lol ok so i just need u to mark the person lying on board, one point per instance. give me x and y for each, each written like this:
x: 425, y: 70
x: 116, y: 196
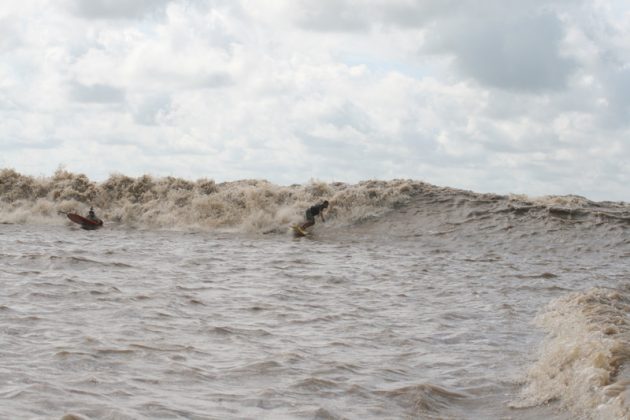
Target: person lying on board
x: 314, y: 211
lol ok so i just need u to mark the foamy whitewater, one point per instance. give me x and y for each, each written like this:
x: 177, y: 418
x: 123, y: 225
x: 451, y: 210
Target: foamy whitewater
x: 194, y: 301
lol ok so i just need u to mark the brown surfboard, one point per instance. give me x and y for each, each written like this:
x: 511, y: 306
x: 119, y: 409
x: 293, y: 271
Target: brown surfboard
x: 85, y: 222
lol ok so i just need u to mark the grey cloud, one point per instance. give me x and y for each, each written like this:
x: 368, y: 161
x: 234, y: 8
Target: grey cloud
x: 617, y: 91
x: 98, y: 93
x: 417, y: 14
x: 192, y: 80
x: 505, y: 44
x: 364, y: 15
x: 115, y: 9
x: 215, y: 80
x: 349, y: 115
x: 520, y: 53
x: 10, y: 36
x: 19, y: 143
x: 149, y: 109
x: 333, y: 16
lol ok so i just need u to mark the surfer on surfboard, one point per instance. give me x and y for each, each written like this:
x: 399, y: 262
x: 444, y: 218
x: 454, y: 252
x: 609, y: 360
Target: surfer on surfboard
x: 91, y: 215
x: 313, y: 211
x: 89, y: 222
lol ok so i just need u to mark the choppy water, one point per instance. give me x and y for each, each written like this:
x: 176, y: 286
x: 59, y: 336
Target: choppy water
x: 452, y: 305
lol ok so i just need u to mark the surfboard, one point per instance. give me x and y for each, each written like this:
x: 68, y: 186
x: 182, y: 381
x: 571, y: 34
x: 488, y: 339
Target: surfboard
x: 298, y: 231
x: 85, y: 222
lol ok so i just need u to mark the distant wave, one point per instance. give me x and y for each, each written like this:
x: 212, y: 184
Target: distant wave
x: 259, y: 206
x: 583, y: 363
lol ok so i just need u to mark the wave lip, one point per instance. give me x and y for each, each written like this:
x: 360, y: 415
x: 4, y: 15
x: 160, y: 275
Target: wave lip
x: 582, y: 362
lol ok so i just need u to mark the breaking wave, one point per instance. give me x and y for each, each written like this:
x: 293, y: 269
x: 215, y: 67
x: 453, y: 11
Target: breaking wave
x: 583, y: 362
x: 148, y: 202
x: 260, y: 206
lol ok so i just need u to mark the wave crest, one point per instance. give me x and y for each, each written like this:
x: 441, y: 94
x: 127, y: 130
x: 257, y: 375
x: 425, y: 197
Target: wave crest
x: 260, y: 206
x: 169, y: 202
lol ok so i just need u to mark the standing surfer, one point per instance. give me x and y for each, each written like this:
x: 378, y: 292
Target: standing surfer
x: 314, y: 211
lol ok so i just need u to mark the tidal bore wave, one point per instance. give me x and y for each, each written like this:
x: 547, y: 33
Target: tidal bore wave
x: 259, y: 206
x: 582, y: 364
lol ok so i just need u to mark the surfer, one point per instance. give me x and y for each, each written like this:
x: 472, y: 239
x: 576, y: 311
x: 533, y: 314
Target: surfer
x: 91, y: 215
x: 314, y: 211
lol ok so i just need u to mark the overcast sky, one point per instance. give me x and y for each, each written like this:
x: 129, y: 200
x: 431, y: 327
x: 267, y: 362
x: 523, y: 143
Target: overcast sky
x: 505, y: 96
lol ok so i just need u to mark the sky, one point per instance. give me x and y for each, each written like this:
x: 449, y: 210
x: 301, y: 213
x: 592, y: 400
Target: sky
x: 499, y: 96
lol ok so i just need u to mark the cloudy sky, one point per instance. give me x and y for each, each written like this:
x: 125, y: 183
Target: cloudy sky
x: 504, y: 96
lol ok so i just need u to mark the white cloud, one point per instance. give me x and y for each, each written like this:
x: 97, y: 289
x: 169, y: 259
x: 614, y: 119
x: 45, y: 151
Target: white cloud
x: 500, y: 96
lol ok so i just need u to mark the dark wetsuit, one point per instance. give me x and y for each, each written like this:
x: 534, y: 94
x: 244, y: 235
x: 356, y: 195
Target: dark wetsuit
x: 314, y: 211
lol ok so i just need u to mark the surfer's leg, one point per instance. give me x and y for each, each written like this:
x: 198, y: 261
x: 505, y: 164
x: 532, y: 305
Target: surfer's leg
x: 310, y: 220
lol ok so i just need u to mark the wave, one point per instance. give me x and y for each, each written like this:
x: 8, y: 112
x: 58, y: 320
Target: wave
x: 424, y: 400
x: 259, y: 206
x: 583, y: 361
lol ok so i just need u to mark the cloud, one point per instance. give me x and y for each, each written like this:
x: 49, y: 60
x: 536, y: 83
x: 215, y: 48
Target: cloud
x: 115, y: 9
x: 521, y: 53
x: 10, y: 37
x: 497, y: 96
x: 332, y: 15
x: 501, y: 44
x: 151, y: 109
x: 616, y: 98
x: 97, y: 93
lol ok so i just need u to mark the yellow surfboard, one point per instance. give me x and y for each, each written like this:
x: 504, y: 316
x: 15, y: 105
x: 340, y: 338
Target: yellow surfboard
x: 299, y: 231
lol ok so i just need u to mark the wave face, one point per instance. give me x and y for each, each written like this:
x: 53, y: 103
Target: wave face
x: 260, y: 206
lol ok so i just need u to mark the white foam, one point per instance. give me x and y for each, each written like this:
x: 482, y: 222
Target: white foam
x: 581, y: 363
